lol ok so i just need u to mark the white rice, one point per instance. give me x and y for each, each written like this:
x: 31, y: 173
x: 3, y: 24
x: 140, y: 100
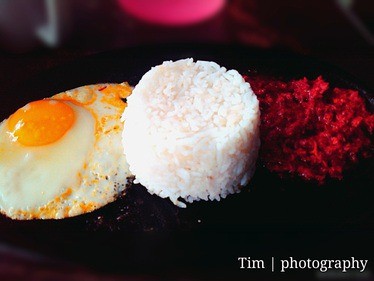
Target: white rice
x: 192, y: 131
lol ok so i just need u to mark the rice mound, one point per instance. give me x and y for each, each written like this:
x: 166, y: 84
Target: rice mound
x: 191, y: 131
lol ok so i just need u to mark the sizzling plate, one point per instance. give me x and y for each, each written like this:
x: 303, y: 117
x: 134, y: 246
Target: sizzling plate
x: 144, y: 232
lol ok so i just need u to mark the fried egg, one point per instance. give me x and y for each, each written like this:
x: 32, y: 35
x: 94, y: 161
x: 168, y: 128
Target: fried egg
x: 62, y: 156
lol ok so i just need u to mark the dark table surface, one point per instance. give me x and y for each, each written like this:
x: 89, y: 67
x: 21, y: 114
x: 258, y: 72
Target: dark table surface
x: 315, y: 28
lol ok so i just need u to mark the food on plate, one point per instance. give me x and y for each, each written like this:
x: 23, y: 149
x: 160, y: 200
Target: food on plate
x: 191, y: 131
x: 311, y: 129
x: 62, y: 156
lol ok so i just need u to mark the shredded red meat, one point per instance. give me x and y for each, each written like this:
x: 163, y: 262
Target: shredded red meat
x: 310, y: 129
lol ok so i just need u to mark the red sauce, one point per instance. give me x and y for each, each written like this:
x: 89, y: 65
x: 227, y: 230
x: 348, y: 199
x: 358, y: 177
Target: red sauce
x: 310, y: 129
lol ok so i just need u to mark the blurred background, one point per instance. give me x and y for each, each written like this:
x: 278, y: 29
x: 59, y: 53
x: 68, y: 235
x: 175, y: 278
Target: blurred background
x: 36, y: 35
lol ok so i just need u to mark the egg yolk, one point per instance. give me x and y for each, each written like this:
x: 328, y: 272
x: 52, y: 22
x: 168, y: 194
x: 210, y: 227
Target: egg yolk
x: 41, y: 122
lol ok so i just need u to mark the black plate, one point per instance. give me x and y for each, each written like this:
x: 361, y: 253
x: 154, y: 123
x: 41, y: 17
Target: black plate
x: 272, y: 217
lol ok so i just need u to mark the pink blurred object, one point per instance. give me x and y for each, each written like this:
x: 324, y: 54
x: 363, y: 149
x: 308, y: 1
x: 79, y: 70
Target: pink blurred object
x: 172, y: 12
